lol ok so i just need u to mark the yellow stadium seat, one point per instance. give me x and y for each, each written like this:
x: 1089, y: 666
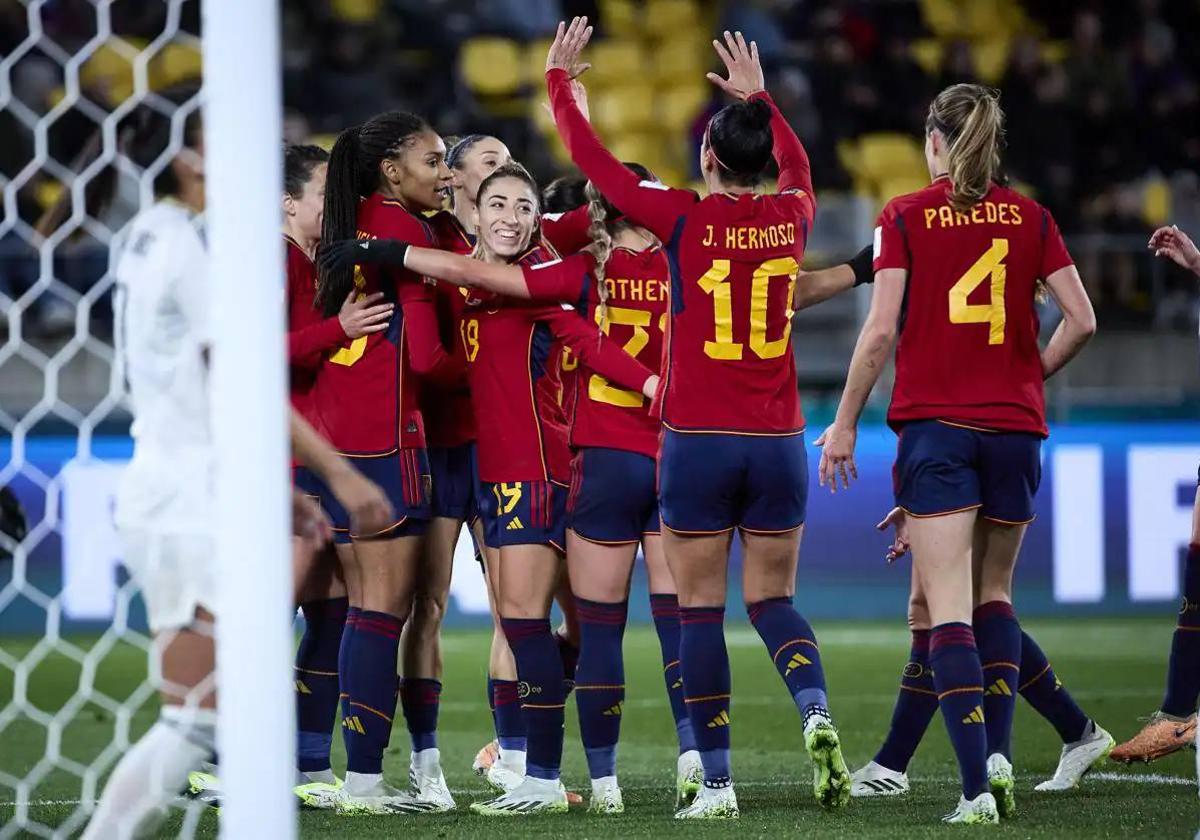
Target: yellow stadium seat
x: 891, y: 187
x: 47, y: 192
x: 683, y: 60
x: 645, y: 148
x: 623, y: 109
x: 885, y: 156
x: 944, y: 18
x: 1054, y: 52
x: 355, y: 11
x: 535, y: 63
x: 620, y: 18
x: 614, y: 62
x: 109, y: 70
x: 678, y: 106
x: 666, y: 17
x: 177, y: 62
x: 1156, y: 202
x: 927, y: 53
x: 991, y: 59
x: 491, y: 66
x: 984, y: 18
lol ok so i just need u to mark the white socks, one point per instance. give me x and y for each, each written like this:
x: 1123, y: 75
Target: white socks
x: 152, y: 773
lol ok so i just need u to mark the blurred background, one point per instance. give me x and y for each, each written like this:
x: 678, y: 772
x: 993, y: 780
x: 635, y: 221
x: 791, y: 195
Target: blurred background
x: 1102, y: 100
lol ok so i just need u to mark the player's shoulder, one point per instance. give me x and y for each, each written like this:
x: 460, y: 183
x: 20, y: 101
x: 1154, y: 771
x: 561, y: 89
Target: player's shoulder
x: 390, y: 218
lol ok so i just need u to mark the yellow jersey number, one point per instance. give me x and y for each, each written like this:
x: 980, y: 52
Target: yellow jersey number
x: 989, y: 266
x: 507, y: 496
x: 469, y: 330
x: 715, y: 282
x: 599, y: 388
x: 347, y: 356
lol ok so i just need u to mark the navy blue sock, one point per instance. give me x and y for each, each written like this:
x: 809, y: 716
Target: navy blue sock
x: 343, y: 660
x: 1042, y: 689
x: 569, y: 654
x: 420, y: 699
x: 600, y: 682
x: 793, y: 648
x: 665, y: 609
x: 958, y: 679
x: 540, y: 668
x: 509, y: 719
x: 999, y: 638
x: 317, y: 681
x: 1183, y: 668
x: 372, y: 657
x: 706, y: 687
x: 916, y: 704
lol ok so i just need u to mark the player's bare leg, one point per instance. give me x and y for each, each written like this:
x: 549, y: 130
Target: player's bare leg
x: 1170, y: 729
x: 151, y: 774
x: 421, y: 661
x: 769, y: 564
x: 599, y: 577
x: 941, y: 548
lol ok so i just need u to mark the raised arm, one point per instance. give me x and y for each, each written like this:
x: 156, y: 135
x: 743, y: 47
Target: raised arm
x: 597, y: 352
x: 567, y: 232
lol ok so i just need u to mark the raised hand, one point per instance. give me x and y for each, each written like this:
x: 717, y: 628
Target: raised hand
x: 1174, y: 244
x: 742, y: 65
x: 569, y: 42
x: 365, y: 315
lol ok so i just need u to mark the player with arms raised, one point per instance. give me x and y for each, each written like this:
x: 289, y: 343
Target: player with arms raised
x: 958, y: 265
x: 732, y: 454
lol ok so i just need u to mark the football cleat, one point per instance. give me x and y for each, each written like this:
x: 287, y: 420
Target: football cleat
x: 689, y: 776
x: 979, y: 811
x: 204, y: 786
x: 1162, y: 735
x: 380, y: 798
x: 488, y: 755
x: 874, y: 779
x: 1003, y: 784
x: 532, y: 796
x: 606, y: 797
x: 711, y: 803
x: 831, y: 778
x: 427, y: 782
x: 1078, y: 758
x: 317, y: 790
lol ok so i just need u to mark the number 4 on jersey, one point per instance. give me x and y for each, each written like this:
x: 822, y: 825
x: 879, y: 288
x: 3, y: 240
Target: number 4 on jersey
x: 991, y: 264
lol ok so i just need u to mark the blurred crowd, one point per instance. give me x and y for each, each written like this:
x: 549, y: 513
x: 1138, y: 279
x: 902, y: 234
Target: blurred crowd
x: 1102, y: 99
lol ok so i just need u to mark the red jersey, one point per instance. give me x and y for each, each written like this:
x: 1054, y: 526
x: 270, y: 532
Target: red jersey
x: 512, y: 348
x: 600, y: 413
x: 310, y: 334
x: 449, y: 417
x: 367, y: 389
x: 968, y: 349
x: 734, y: 259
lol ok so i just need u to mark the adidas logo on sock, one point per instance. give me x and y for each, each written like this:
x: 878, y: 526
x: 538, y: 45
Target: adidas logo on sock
x: 613, y: 711
x: 795, y: 662
x: 976, y: 716
x: 514, y: 524
x: 301, y: 688
x: 353, y: 724
x: 999, y: 688
x: 722, y: 719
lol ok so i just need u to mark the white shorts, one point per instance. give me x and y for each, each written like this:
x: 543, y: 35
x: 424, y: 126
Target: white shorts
x: 175, y: 572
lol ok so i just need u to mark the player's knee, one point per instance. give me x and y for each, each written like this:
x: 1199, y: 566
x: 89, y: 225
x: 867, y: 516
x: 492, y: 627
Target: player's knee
x: 918, y: 612
x: 199, y: 726
x: 428, y: 611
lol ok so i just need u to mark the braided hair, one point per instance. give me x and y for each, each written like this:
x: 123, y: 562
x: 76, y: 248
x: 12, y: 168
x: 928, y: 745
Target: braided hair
x: 354, y: 174
x: 605, y: 221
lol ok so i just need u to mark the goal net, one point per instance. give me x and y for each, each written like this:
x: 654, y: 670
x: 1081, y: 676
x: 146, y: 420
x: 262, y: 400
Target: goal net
x: 79, y: 682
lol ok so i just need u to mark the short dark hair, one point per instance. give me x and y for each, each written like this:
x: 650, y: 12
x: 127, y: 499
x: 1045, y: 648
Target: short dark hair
x: 741, y: 140
x: 299, y: 161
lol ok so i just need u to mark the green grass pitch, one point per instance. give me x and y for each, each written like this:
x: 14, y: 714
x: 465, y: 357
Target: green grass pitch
x: 1115, y: 668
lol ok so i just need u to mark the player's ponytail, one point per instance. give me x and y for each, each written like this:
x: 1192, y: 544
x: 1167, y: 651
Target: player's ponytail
x: 354, y: 174
x: 605, y: 222
x: 970, y: 119
x: 740, y: 139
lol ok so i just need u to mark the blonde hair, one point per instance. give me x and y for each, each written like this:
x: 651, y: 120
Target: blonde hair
x: 601, y: 245
x: 970, y: 119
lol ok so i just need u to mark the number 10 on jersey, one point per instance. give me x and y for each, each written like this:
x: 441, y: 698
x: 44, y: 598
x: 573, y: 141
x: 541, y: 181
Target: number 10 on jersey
x: 715, y: 282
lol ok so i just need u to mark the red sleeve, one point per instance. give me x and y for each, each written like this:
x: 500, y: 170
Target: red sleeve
x: 1054, y: 250
x: 567, y: 232
x: 594, y: 349
x: 653, y: 205
x: 568, y: 280
x: 307, y: 345
x: 891, y: 241
x: 428, y: 355
x: 795, y: 173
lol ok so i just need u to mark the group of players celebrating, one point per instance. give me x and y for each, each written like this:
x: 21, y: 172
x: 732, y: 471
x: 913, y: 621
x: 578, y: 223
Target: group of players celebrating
x: 620, y: 374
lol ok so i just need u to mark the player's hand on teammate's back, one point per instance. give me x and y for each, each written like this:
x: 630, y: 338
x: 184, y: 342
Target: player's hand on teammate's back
x: 898, y: 519
x: 335, y: 256
x: 309, y: 522
x: 365, y: 315
x: 569, y: 42
x: 368, y: 506
x: 742, y: 65
x: 837, y: 457
x: 1171, y: 242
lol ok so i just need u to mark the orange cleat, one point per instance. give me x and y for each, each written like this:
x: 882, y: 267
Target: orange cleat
x: 1162, y: 735
x: 485, y: 758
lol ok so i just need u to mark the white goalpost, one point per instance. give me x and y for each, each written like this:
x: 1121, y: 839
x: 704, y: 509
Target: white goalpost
x: 244, y: 182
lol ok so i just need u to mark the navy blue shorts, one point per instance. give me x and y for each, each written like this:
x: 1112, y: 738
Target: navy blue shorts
x: 404, y: 477
x: 307, y: 482
x: 523, y: 513
x: 710, y: 483
x: 453, y: 471
x: 943, y: 468
x: 613, y: 496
